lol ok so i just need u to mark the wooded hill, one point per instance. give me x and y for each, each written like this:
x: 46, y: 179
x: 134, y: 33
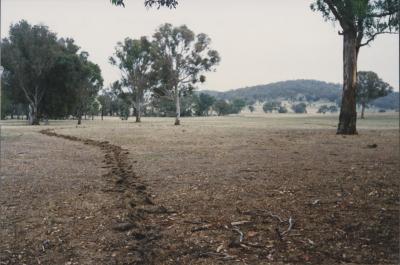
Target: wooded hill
x: 298, y: 90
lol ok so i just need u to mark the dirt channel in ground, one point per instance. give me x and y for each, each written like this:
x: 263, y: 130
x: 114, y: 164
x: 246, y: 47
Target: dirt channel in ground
x: 68, y: 203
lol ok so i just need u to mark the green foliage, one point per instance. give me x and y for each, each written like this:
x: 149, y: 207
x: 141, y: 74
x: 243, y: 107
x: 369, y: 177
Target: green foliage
x: 271, y: 106
x: 282, y: 109
x: 370, y: 87
x: 123, y: 109
x: 299, y: 108
x: 28, y: 56
x: 333, y: 109
x: 165, y: 106
x: 203, y: 103
x: 237, y: 105
x: 124, y: 103
x: 87, y: 82
x: 94, y: 107
x: 109, y: 100
x: 135, y: 59
x: 251, y: 108
x: 323, y: 109
x: 222, y: 107
x: 364, y: 18
x: 47, y: 73
x: 181, y: 58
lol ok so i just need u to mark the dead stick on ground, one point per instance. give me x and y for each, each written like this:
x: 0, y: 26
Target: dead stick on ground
x: 236, y: 229
x: 291, y: 223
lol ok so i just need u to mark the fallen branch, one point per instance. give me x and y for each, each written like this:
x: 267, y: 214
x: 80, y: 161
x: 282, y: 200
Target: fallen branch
x: 241, y: 235
x: 291, y: 223
x: 201, y: 228
x: 223, y: 256
x: 240, y: 223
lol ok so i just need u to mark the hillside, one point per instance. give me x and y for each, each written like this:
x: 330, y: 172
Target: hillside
x: 309, y: 90
x: 391, y: 101
x: 298, y: 90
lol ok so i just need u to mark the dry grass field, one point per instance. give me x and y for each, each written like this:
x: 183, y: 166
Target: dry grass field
x: 262, y: 189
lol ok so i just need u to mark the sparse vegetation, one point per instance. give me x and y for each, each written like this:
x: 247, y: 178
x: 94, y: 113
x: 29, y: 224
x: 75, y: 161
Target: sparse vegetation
x: 254, y: 175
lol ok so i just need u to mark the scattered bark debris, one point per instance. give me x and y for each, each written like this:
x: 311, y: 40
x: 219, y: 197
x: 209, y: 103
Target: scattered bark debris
x: 138, y: 207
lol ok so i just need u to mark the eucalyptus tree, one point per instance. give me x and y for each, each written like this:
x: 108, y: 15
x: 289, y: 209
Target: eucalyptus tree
x: 361, y: 22
x: 181, y: 58
x: 135, y: 60
x: 29, y: 55
x: 88, y: 82
x: 203, y: 104
x: 370, y: 87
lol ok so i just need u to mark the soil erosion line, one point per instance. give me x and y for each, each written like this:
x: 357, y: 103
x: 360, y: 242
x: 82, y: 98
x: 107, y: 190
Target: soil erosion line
x: 131, y: 197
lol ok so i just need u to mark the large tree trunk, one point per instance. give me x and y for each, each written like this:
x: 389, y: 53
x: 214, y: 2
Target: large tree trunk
x: 33, y: 115
x: 138, y: 109
x: 102, y: 113
x: 348, y: 112
x: 362, y: 110
x: 79, y: 116
x: 177, y: 107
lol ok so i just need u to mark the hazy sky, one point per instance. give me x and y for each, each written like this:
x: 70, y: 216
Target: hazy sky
x: 260, y: 41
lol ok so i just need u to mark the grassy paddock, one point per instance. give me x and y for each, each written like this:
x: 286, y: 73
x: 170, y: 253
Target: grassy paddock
x: 342, y: 191
x: 269, y: 121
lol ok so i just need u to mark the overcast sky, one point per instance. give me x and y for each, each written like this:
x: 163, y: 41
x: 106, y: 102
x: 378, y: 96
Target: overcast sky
x: 260, y: 41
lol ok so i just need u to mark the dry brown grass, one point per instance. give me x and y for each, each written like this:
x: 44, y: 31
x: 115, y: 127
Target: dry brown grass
x: 342, y: 194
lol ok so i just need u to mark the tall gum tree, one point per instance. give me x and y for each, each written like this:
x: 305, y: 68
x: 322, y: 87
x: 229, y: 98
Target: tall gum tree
x: 135, y: 60
x: 361, y: 22
x: 181, y: 59
x: 29, y: 55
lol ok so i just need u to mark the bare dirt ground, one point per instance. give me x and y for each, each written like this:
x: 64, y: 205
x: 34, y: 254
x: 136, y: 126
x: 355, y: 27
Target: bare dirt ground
x: 235, y: 190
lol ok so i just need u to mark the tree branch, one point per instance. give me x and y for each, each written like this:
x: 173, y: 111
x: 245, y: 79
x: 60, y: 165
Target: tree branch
x: 335, y: 12
x: 374, y: 36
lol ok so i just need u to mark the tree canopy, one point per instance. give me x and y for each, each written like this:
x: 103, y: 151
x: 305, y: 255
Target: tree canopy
x: 370, y: 87
x: 46, y: 75
x: 365, y: 18
x: 135, y: 59
x: 181, y: 58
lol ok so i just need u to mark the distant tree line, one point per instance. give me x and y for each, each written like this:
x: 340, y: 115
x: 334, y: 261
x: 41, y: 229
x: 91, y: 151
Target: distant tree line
x: 47, y: 77
x: 193, y: 104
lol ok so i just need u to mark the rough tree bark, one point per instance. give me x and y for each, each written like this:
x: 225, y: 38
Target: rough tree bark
x: 33, y: 115
x: 79, y: 112
x: 178, y: 107
x: 138, y: 109
x: 348, y: 111
x: 362, y: 110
